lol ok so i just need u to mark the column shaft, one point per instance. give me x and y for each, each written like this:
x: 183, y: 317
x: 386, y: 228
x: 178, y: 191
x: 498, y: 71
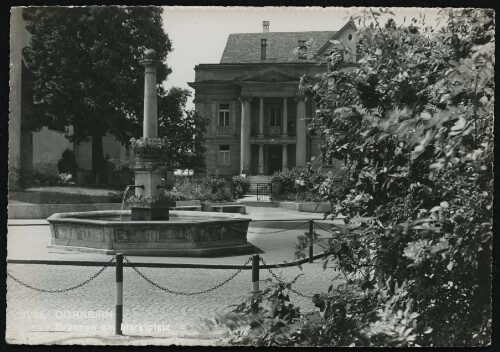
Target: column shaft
x: 300, y: 153
x: 261, y: 159
x: 285, y: 157
x: 150, y: 126
x: 285, y: 117
x: 261, y: 117
x: 245, y: 137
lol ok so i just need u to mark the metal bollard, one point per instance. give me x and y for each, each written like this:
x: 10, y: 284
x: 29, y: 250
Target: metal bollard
x: 119, y: 294
x: 255, y: 273
x: 311, y: 240
x: 255, y: 281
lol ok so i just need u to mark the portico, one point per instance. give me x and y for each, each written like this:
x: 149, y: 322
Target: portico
x: 271, y: 127
x: 272, y: 120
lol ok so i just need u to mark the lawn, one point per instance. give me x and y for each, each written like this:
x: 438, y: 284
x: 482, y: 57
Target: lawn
x: 65, y: 195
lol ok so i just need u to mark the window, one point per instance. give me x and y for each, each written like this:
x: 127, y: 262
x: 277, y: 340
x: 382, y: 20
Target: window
x: 224, y: 115
x: 275, y: 117
x: 302, y: 49
x: 224, y: 155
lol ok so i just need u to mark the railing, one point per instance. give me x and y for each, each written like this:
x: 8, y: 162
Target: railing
x: 263, y: 192
x: 275, y: 131
x: 119, y: 262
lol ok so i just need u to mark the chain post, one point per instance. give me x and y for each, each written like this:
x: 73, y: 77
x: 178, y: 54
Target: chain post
x: 119, y: 294
x: 311, y: 240
x: 255, y: 273
x: 255, y: 281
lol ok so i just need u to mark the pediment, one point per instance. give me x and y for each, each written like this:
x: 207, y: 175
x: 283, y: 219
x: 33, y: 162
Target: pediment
x: 269, y: 75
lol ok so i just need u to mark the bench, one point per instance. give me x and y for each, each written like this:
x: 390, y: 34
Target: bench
x: 192, y: 205
x: 230, y: 208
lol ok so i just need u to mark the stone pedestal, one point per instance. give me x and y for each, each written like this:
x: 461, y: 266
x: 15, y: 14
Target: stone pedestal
x: 158, y: 210
x: 151, y: 204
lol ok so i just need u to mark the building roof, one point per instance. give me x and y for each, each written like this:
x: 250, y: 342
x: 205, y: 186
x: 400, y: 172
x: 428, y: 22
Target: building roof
x: 281, y: 46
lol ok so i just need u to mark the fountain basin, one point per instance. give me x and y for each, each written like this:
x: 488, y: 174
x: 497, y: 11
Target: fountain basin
x: 187, y: 233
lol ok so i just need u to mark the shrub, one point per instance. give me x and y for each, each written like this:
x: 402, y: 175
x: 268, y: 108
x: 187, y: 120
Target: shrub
x: 65, y: 178
x: 241, y: 186
x: 212, y: 188
x: 115, y: 165
x: 67, y: 163
x: 416, y: 121
x: 299, y: 184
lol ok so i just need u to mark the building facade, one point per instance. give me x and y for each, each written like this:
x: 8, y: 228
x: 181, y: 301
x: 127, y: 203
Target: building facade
x: 257, y: 112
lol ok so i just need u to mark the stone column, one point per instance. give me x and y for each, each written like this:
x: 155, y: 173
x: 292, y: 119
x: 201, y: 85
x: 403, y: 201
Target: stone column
x: 261, y: 159
x: 285, y: 157
x: 300, y: 153
x: 285, y: 117
x: 150, y: 126
x: 245, y: 136
x: 261, y: 118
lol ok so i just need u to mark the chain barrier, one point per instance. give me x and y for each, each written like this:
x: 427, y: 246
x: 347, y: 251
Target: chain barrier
x: 64, y: 289
x: 327, y: 230
x: 186, y: 293
x: 270, y: 232
x: 282, y: 282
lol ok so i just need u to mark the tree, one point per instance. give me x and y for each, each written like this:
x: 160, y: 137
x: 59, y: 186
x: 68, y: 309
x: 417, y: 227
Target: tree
x: 185, y: 130
x: 84, y: 64
x: 414, y: 120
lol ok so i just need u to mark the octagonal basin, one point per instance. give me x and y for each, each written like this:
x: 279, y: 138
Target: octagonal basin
x: 187, y: 233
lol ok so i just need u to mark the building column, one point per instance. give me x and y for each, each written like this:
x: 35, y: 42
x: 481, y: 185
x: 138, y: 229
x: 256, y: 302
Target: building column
x: 261, y: 118
x: 300, y: 153
x: 285, y: 117
x: 245, y: 136
x: 261, y: 159
x: 285, y: 157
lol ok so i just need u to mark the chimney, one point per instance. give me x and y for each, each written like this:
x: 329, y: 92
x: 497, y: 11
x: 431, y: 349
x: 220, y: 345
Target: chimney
x: 265, y: 26
x: 263, y: 47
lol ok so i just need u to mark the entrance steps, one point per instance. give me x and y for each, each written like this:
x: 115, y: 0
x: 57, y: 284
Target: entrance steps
x: 254, y: 180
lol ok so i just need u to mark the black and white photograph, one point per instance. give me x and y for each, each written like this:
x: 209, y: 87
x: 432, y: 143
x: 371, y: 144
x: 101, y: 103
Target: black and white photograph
x: 250, y: 176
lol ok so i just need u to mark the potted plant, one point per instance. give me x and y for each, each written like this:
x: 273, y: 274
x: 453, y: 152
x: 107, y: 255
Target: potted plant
x: 146, y: 208
x: 276, y: 184
x: 149, y: 148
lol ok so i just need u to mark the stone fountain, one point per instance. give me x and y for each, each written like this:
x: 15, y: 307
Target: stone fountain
x: 150, y: 227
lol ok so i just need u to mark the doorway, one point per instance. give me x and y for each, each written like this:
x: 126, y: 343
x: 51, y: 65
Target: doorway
x: 274, y: 158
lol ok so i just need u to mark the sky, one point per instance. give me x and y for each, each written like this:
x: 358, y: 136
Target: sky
x: 199, y: 34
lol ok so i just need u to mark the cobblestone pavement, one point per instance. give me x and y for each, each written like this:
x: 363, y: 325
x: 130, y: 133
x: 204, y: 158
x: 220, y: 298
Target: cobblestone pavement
x: 35, y: 317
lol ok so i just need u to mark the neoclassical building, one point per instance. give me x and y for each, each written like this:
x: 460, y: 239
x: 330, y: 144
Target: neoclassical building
x: 256, y: 110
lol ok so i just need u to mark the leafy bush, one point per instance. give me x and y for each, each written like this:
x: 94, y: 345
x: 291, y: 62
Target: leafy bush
x: 65, y: 178
x: 415, y: 121
x: 212, y: 188
x: 150, y: 144
x: 241, y: 186
x: 67, y: 163
x: 310, y: 184
x: 115, y: 165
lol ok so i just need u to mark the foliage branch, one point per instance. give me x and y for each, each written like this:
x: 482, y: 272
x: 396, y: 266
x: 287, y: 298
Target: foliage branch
x: 414, y: 119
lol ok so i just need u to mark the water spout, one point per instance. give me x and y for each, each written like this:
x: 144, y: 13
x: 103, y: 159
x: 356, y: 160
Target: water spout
x: 125, y: 196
